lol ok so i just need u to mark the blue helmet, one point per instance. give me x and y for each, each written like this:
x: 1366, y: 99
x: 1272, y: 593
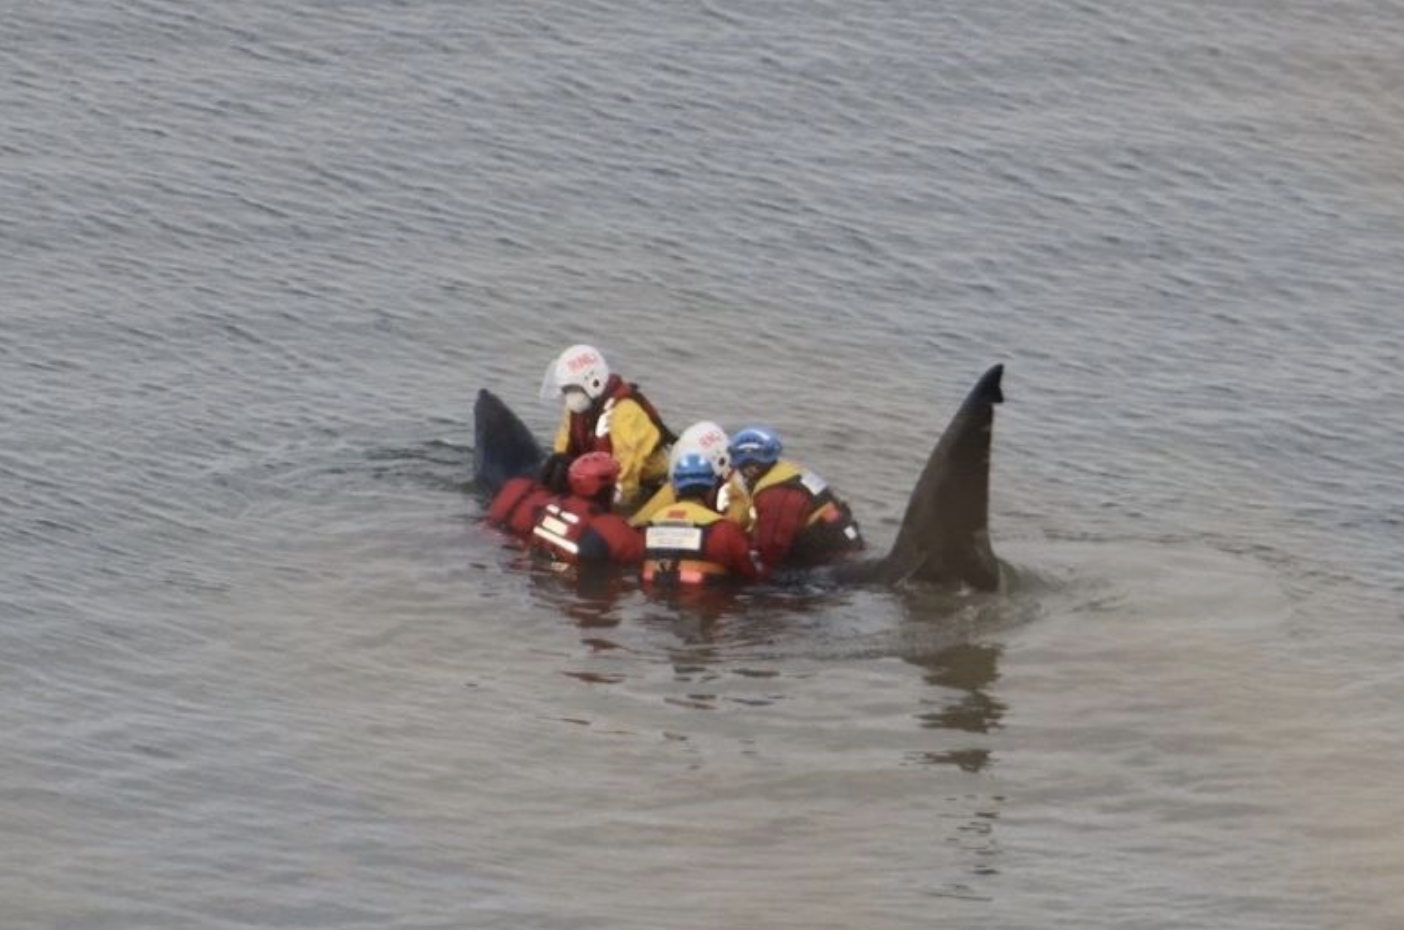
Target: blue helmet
x: 755, y: 445
x: 693, y: 470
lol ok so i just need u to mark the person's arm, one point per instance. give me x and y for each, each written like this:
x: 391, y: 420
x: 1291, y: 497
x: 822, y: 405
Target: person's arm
x: 737, y: 507
x: 737, y: 546
x: 562, y: 440
x: 780, y: 515
x: 663, y: 497
x: 610, y: 539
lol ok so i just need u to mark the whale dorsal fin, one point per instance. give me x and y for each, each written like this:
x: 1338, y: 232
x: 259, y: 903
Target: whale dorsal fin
x: 945, y: 535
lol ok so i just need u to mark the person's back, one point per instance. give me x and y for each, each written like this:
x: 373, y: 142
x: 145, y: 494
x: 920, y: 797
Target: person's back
x: 689, y: 542
x: 799, y: 520
x: 517, y: 505
x: 580, y: 529
x: 604, y: 413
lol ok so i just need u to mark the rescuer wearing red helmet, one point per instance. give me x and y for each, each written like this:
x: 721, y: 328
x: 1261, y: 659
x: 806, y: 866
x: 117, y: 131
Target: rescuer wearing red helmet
x: 581, y: 528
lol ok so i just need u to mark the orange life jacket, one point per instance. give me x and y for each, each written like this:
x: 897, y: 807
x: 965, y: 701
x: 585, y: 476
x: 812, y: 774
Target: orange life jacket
x: 678, y: 545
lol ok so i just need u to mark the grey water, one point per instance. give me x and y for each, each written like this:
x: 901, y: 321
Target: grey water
x: 261, y: 666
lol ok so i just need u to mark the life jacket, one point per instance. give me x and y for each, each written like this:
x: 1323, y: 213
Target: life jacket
x: 829, y: 526
x: 678, y: 545
x: 585, y: 430
x: 733, y: 501
x: 517, y: 505
x: 561, y: 530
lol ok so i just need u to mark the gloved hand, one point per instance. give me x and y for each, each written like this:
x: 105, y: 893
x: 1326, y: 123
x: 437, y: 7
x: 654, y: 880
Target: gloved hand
x: 555, y: 472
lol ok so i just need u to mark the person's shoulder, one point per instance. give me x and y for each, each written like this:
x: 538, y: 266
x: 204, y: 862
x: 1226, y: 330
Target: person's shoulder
x: 610, y: 537
x: 630, y: 403
x: 780, y: 490
x: 615, y: 522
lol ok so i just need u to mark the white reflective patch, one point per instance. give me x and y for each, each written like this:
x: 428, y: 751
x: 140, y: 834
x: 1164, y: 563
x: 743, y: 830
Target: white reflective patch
x: 687, y: 538
x: 559, y: 541
x: 565, y: 515
x: 851, y: 532
x: 602, y: 424
x: 723, y: 498
x: 813, y: 482
x: 550, y: 523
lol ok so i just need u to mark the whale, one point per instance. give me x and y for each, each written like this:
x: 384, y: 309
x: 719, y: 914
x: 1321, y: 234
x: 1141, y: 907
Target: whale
x: 944, y: 536
x: 503, y: 446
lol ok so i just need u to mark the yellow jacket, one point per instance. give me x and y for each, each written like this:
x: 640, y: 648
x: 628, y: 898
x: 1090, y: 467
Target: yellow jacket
x: 736, y: 506
x: 624, y: 430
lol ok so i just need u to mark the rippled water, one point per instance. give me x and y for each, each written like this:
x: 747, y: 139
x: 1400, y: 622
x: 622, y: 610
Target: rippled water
x: 260, y: 666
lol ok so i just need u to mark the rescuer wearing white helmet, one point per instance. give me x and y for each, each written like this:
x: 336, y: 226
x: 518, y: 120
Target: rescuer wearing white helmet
x: 709, y: 440
x: 604, y: 413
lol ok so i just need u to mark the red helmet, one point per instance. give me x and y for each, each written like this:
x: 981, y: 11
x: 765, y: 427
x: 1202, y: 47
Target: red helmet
x: 592, y: 473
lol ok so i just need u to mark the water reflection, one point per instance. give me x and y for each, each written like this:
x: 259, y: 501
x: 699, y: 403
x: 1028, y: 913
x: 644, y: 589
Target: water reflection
x: 592, y: 598
x: 962, y: 711
x: 970, y: 668
x: 945, y: 634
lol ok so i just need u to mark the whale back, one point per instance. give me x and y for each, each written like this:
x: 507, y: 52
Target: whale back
x: 503, y: 446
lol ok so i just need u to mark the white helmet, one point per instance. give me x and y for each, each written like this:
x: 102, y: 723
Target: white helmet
x: 579, y: 366
x: 708, y: 439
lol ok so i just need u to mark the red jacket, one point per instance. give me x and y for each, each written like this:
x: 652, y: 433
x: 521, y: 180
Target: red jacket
x: 576, y: 531
x: 689, y: 543
x: 799, y: 520
x: 517, y: 505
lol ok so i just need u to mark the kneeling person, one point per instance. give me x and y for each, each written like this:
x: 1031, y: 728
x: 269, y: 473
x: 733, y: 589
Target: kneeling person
x: 581, y: 529
x: 711, y: 441
x: 798, y: 518
x: 689, y: 542
x: 604, y: 413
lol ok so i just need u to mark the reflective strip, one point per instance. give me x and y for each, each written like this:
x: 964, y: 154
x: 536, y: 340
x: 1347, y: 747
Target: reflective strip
x: 566, y: 515
x: 724, y: 496
x: 602, y: 424
x: 551, y: 523
x: 543, y: 532
x: 813, y: 482
x: 691, y: 576
x: 688, y: 571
